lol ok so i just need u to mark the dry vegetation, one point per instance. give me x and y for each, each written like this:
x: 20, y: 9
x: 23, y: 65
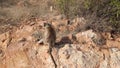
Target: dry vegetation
x: 17, y: 10
x: 101, y: 16
x: 12, y: 12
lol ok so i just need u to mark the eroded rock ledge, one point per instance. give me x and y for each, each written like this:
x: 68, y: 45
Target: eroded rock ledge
x: 19, y: 49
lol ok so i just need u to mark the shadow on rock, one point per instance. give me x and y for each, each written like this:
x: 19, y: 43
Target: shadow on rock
x: 62, y: 42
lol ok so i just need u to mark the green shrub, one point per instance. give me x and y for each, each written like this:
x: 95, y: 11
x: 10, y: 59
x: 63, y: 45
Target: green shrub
x: 115, y: 15
x: 66, y: 7
x: 101, y: 14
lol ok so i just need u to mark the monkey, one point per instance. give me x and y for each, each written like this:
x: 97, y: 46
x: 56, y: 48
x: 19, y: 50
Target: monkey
x: 49, y: 36
x: 49, y: 39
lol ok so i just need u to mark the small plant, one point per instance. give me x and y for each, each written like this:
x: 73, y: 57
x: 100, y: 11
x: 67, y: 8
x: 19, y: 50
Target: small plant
x: 115, y: 17
x: 66, y: 7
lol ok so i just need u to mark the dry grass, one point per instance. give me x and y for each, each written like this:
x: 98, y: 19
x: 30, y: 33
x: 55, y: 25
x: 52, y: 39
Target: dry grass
x: 22, y: 9
x: 12, y: 12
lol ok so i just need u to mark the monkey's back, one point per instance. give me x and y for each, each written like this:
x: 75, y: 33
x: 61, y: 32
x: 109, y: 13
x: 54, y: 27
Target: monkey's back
x: 50, y: 36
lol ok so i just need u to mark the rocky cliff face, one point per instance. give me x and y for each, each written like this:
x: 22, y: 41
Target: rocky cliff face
x: 20, y: 48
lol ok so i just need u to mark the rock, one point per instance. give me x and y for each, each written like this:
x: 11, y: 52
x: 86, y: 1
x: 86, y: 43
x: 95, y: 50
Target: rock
x: 89, y: 35
x: 2, y: 54
x: 18, y: 48
x: 5, y: 40
x: 113, y: 50
x: 118, y: 39
x: 22, y: 40
x: 79, y: 20
x: 59, y: 17
x: 104, y: 64
x: 37, y: 36
x: 115, y: 59
x: 18, y: 59
x: 85, y: 36
x: 70, y: 57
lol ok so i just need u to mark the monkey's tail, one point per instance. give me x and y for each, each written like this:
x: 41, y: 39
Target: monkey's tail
x: 53, y: 59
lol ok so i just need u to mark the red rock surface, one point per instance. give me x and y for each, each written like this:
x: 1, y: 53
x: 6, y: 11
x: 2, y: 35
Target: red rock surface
x: 19, y: 48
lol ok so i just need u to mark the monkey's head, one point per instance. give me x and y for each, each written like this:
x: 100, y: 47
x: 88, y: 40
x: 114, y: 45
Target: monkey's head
x: 47, y: 25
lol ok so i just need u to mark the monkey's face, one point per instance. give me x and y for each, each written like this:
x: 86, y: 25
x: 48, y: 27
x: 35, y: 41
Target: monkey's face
x: 47, y: 25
